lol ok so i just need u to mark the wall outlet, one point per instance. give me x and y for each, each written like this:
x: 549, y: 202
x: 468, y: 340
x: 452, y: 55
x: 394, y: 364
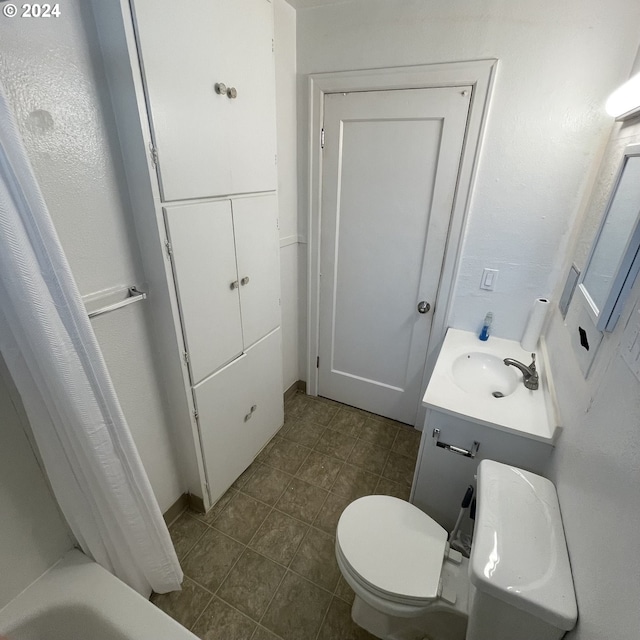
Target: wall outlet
x: 489, y: 279
x: 630, y: 345
x: 585, y: 338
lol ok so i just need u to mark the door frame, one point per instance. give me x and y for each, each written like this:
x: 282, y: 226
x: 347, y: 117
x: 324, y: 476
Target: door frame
x: 480, y: 75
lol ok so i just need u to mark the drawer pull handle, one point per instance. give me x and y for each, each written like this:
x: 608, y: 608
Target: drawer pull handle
x: 467, y: 453
x: 251, y: 412
x: 221, y: 88
x: 234, y: 285
x: 244, y: 281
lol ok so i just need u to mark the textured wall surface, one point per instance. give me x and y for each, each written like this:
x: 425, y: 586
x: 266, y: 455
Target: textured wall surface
x: 52, y: 72
x: 558, y: 62
x: 285, y: 61
x: 33, y: 534
x: 596, y: 463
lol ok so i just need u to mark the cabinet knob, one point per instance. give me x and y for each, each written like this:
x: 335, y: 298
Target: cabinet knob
x: 232, y: 93
x: 233, y: 285
x: 244, y: 281
x: 221, y: 88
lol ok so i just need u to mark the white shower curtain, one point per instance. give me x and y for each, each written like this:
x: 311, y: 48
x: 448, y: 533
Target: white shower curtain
x: 53, y: 356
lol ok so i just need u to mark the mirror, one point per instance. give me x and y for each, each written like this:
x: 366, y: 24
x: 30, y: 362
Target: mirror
x: 614, y: 260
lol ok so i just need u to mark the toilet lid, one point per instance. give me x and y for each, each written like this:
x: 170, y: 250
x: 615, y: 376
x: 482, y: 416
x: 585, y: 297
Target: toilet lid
x: 393, y: 546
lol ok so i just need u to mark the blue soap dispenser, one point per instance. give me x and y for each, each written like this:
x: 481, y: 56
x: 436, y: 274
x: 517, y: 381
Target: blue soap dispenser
x: 486, y: 327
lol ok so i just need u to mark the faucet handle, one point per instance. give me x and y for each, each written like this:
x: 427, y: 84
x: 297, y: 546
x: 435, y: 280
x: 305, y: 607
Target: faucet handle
x: 532, y: 366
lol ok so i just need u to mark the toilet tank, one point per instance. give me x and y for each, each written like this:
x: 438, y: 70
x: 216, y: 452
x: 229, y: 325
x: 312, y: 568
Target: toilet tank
x: 521, y: 583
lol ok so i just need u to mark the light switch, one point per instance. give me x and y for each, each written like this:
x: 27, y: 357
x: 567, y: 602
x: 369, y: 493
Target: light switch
x: 489, y: 278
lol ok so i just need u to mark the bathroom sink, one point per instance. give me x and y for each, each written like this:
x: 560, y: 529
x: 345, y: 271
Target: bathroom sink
x: 471, y: 382
x: 484, y: 374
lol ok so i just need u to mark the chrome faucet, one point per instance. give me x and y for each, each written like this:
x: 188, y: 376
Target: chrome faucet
x: 529, y: 374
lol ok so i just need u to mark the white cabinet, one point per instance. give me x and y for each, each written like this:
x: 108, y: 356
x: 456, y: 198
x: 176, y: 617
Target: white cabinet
x: 206, y: 215
x: 255, y: 222
x: 225, y: 258
x: 443, y: 476
x: 209, y: 142
x: 239, y: 410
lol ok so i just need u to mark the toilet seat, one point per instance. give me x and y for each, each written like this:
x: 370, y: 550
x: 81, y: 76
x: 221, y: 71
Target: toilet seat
x: 392, y: 548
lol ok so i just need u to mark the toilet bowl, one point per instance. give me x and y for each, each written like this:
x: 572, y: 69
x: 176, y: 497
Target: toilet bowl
x: 410, y: 585
x: 414, y: 580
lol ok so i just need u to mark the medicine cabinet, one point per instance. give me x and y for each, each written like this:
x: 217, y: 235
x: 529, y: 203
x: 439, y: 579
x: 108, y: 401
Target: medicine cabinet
x: 614, y: 260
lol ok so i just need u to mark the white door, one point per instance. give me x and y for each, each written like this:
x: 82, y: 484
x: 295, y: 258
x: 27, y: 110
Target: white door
x: 390, y: 168
x: 204, y: 269
x: 255, y: 223
x: 208, y: 143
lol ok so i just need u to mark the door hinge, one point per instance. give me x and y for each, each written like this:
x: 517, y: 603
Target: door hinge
x: 318, y: 362
x: 322, y: 138
x: 276, y: 160
x: 185, y: 355
x: 196, y: 415
x: 154, y: 155
x: 273, y: 45
x: 167, y: 246
x: 278, y: 223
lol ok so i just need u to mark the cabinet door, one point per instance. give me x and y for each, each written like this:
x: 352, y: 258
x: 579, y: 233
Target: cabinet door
x: 222, y: 401
x: 265, y: 390
x: 239, y: 410
x: 204, y: 267
x: 258, y: 255
x: 251, y: 147
x: 207, y: 143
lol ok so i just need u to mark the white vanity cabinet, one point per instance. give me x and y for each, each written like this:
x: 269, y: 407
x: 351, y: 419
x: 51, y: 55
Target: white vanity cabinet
x: 210, y: 90
x: 442, y: 475
x: 225, y: 258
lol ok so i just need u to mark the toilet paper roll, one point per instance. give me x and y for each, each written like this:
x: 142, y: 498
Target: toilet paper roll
x: 535, y: 323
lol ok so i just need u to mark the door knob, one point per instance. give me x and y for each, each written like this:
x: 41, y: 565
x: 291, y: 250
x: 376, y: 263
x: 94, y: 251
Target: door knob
x: 232, y: 93
x: 221, y: 88
x: 423, y: 306
x: 233, y: 285
x: 244, y: 281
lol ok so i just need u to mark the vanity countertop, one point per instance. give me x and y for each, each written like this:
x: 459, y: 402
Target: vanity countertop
x: 531, y: 414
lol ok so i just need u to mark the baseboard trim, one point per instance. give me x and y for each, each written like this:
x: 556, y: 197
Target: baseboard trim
x: 185, y: 501
x: 298, y: 385
x: 176, y: 509
x: 196, y: 503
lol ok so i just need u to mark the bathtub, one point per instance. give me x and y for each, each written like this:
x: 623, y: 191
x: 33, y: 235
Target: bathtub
x: 78, y: 600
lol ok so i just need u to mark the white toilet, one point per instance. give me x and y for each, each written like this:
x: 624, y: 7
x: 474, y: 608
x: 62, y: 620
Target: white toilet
x: 516, y: 585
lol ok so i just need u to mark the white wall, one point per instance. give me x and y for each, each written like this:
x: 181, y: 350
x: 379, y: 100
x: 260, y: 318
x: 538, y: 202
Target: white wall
x: 285, y: 63
x: 558, y: 62
x: 596, y: 464
x: 33, y: 534
x: 52, y: 72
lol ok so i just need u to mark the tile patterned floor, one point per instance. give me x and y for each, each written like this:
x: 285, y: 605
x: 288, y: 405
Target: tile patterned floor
x: 261, y: 564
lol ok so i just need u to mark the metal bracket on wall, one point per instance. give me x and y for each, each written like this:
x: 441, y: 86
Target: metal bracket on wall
x: 467, y: 453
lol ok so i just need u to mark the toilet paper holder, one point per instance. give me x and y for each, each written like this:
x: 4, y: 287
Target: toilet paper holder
x: 467, y: 453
